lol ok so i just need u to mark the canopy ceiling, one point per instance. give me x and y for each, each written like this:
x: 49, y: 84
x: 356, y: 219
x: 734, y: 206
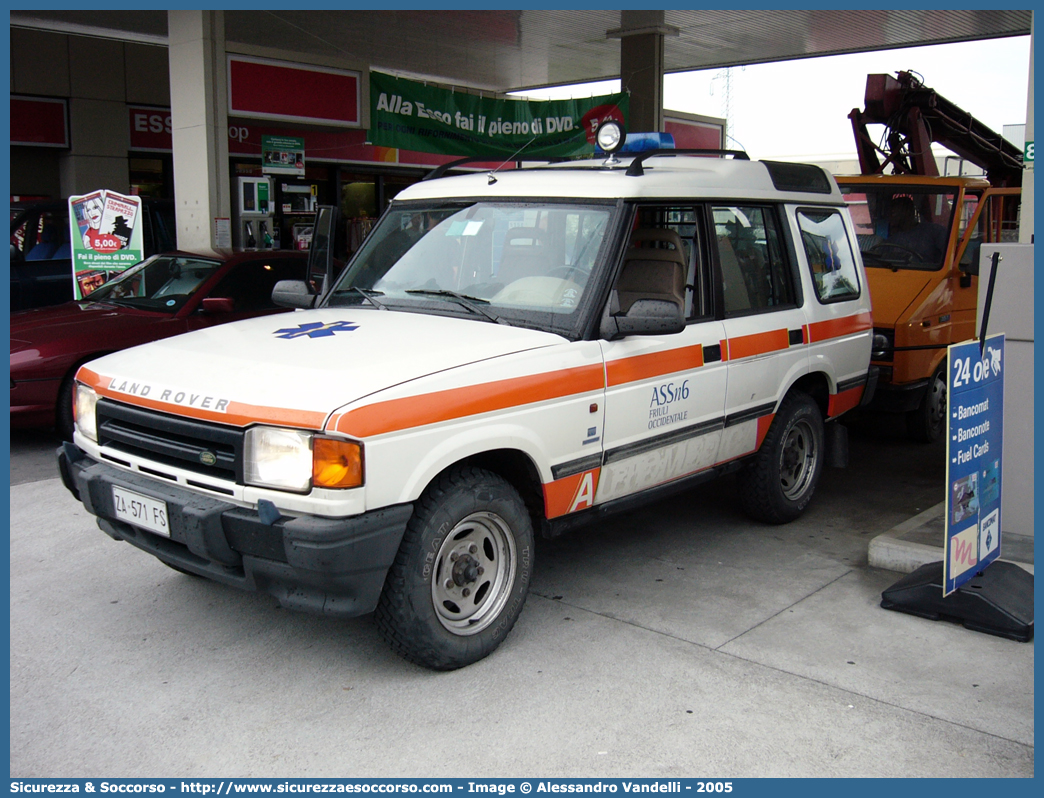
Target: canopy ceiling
x: 507, y: 50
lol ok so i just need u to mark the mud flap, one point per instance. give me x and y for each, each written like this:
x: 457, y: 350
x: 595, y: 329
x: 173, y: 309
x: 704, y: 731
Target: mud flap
x: 836, y: 445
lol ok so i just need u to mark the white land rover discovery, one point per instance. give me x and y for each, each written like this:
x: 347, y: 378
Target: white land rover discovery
x: 507, y: 354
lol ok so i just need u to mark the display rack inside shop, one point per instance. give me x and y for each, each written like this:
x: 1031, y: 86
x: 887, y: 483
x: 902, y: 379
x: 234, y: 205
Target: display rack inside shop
x: 358, y: 229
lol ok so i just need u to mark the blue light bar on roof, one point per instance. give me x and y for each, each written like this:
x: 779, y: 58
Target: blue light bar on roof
x: 644, y: 142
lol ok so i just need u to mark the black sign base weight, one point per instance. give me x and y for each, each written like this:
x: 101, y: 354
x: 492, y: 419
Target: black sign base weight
x: 998, y: 601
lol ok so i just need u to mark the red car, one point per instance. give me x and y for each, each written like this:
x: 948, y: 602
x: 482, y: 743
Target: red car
x: 162, y: 296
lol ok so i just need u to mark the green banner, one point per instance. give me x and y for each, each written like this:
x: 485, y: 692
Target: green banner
x: 412, y: 116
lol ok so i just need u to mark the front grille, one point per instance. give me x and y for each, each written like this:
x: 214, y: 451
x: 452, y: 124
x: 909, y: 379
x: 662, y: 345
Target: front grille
x: 171, y: 440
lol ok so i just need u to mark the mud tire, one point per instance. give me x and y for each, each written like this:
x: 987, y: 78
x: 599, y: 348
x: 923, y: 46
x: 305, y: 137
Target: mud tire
x: 469, y: 531
x: 777, y: 484
x: 927, y: 424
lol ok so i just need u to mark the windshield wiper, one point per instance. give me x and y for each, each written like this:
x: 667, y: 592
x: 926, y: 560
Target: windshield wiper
x: 465, y: 300
x: 367, y: 294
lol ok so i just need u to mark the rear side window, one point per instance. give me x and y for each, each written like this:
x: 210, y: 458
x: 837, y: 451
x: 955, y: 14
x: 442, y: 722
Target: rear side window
x: 829, y: 255
x: 43, y: 236
x: 754, y: 270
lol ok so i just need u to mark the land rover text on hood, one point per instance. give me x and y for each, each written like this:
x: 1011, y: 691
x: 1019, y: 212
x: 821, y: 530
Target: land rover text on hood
x: 507, y: 355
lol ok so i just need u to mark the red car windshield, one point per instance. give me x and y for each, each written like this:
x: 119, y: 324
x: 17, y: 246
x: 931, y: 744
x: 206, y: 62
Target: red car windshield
x: 162, y: 282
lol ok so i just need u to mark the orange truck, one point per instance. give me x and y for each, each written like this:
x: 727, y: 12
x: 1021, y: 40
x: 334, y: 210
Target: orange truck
x: 919, y: 234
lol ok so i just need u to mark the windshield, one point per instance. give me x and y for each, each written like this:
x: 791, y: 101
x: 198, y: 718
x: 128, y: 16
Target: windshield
x: 162, y: 282
x: 525, y: 263
x: 901, y: 227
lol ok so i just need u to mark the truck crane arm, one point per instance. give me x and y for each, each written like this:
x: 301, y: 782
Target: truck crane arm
x: 916, y: 117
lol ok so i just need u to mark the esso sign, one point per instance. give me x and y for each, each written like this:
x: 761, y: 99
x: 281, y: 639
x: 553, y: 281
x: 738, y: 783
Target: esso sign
x: 145, y: 122
x: 150, y: 129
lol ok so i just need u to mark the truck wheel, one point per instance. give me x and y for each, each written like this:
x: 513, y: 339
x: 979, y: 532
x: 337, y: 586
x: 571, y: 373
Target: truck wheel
x: 462, y: 572
x: 927, y: 423
x: 777, y: 485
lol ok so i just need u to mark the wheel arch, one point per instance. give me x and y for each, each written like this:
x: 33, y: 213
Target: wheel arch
x: 82, y: 360
x: 519, y: 470
x: 939, y: 361
x: 517, y: 458
x: 817, y: 385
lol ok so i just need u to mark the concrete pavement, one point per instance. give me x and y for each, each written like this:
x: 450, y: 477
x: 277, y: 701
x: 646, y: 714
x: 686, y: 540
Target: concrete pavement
x: 678, y: 640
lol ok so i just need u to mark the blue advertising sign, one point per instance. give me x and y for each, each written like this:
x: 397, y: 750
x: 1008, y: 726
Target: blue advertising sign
x: 974, y: 440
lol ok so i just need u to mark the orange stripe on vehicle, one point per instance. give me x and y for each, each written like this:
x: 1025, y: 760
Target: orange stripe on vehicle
x: 835, y: 328
x: 763, y: 427
x: 431, y: 408
x: 641, y: 367
x: 842, y: 402
x: 724, y: 344
x: 572, y: 493
x: 758, y: 344
x: 93, y: 379
x: 237, y: 414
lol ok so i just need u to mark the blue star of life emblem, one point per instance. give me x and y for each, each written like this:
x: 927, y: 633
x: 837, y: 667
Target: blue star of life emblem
x: 316, y: 329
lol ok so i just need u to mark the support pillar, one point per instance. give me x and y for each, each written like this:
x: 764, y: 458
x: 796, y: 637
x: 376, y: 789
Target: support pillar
x: 641, y: 35
x: 1026, y: 212
x: 98, y: 130
x: 199, y: 122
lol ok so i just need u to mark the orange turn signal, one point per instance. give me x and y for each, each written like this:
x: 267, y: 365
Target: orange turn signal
x: 336, y: 463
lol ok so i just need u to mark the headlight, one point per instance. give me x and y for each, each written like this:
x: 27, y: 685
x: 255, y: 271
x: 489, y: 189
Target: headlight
x: 883, y: 345
x: 278, y: 458
x: 84, y: 403
x: 288, y: 459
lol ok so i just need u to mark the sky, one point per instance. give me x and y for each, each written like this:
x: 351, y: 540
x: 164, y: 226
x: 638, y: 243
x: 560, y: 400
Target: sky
x: 799, y: 109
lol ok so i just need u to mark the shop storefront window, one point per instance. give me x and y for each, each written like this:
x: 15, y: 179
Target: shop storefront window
x: 151, y: 177
x: 358, y: 207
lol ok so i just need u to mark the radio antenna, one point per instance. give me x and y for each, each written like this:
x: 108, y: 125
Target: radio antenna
x: 491, y: 177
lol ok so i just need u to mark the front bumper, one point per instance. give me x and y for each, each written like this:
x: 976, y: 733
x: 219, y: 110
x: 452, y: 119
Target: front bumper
x: 325, y: 566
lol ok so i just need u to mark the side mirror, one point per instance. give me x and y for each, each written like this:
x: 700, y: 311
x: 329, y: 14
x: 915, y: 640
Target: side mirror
x: 218, y: 304
x: 293, y: 294
x: 969, y: 264
x: 320, y: 252
x: 644, y: 317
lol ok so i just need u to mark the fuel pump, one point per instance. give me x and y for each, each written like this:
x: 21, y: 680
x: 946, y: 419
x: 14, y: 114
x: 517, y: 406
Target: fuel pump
x: 255, y: 210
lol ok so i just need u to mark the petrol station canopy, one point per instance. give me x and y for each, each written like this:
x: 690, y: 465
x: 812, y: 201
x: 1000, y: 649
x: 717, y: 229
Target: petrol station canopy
x: 503, y: 50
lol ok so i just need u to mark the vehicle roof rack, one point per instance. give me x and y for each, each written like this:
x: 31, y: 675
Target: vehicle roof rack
x: 636, y: 170
x: 440, y: 171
